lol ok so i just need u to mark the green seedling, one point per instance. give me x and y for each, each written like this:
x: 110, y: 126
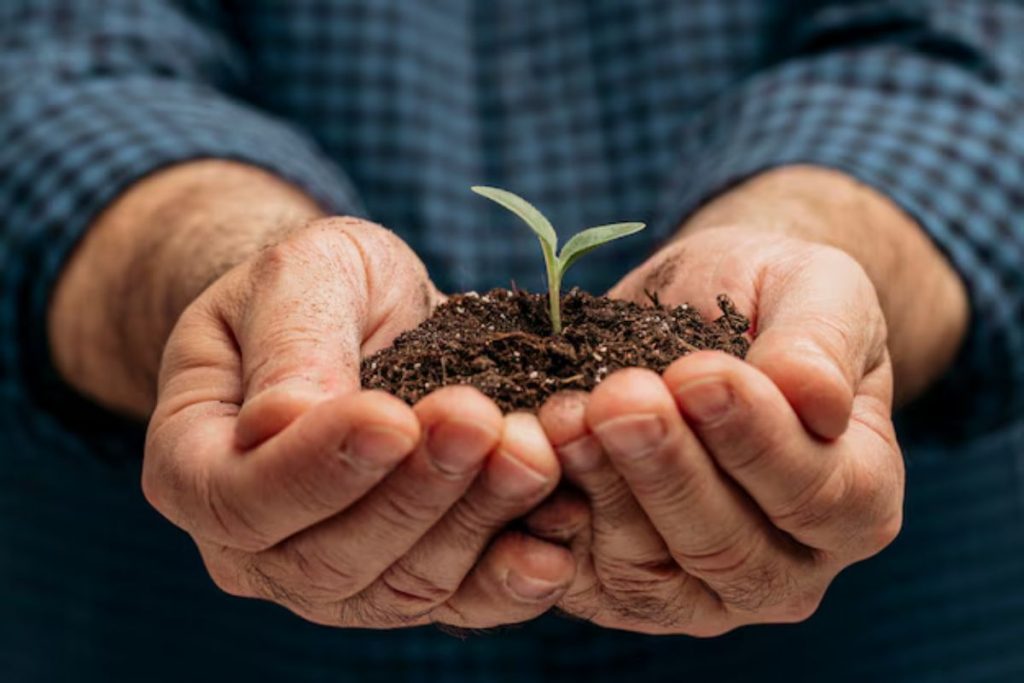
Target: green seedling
x: 578, y: 245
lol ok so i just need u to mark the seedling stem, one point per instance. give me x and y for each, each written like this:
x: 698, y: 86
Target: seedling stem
x: 556, y: 265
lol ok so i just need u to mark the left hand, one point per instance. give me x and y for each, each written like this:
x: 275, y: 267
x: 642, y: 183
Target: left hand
x: 725, y: 492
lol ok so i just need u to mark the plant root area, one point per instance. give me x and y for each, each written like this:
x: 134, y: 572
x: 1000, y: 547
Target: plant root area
x: 501, y: 343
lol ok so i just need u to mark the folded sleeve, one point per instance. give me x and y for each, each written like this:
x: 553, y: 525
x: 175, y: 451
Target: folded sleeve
x: 923, y: 101
x: 94, y: 96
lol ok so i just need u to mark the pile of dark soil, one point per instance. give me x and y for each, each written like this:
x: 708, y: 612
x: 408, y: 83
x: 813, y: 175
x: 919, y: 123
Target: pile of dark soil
x: 501, y: 343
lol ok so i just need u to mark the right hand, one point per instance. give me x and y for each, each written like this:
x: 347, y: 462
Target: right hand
x: 348, y: 507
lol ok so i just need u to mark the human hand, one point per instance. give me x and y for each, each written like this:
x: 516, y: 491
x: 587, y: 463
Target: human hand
x: 725, y: 492
x: 347, y: 507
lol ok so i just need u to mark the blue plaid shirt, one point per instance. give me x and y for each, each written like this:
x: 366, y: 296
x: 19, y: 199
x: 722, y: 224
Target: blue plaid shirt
x: 641, y: 109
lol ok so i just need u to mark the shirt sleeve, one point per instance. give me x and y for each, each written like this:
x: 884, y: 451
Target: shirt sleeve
x: 94, y: 96
x: 923, y: 101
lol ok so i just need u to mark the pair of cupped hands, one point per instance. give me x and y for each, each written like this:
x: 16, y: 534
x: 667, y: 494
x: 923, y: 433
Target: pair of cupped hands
x: 719, y: 493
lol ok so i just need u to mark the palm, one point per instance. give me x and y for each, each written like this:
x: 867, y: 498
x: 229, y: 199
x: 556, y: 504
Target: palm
x: 761, y: 479
x: 346, y: 506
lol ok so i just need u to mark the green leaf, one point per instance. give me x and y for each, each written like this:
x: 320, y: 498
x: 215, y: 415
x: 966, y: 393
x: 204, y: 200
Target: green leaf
x: 591, y: 238
x: 525, y: 210
x: 576, y: 247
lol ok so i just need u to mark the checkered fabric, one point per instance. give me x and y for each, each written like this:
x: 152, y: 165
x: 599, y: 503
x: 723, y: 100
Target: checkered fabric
x: 597, y: 110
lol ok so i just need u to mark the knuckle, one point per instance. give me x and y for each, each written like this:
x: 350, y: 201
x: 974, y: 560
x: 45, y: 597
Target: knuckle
x: 728, y: 557
x: 264, y: 583
x: 291, y: 341
x: 886, y: 502
x: 228, y: 523
x: 627, y: 579
x: 651, y: 598
x: 681, y: 605
x: 410, y: 592
x: 225, y: 576
x: 640, y: 608
x: 365, y: 610
x: 156, y: 480
x: 681, y: 489
x: 884, y: 532
x: 406, y: 513
x: 758, y: 452
x: 473, y: 521
x: 166, y: 483
x: 820, y: 504
x: 799, y: 605
x: 272, y: 263
x: 313, y: 490
x: 229, y: 585
x: 758, y: 589
x: 739, y: 572
x: 607, y: 494
x: 322, y: 243
x: 306, y: 495
x: 835, y: 337
x: 377, y: 249
x: 585, y: 603
x: 317, y: 573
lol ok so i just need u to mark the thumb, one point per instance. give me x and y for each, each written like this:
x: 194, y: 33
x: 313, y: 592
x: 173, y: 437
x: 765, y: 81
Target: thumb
x: 298, y: 330
x: 820, y: 331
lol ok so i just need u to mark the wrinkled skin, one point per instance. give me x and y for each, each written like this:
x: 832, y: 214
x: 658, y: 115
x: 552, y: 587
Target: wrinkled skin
x: 352, y: 509
x: 346, y: 506
x: 724, y: 492
x: 678, y: 511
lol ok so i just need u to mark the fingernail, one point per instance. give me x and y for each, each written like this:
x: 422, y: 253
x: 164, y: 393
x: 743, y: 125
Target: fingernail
x: 632, y: 436
x: 376, y: 447
x: 581, y: 455
x: 459, y: 447
x: 530, y: 588
x: 510, y: 477
x: 706, y: 400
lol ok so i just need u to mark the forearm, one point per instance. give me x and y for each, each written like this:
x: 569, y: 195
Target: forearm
x: 146, y: 258
x: 922, y: 297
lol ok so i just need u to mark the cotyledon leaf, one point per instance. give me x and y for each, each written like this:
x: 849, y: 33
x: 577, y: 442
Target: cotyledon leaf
x: 556, y: 265
x: 525, y: 210
x: 591, y: 238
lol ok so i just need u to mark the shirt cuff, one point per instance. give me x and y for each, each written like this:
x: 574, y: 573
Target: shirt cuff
x: 943, y: 144
x: 70, y: 150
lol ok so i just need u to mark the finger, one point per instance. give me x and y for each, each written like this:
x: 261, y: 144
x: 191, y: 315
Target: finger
x: 399, y: 290
x: 622, y: 533
x: 344, y: 554
x: 318, y: 466
x: 298, y: 323
x: 518, y: 579
x: 628, y: 578
x: 560, y: 519
x: 517, y: 476
x: 822, y: 494
x: 240, y: 574
x: 712, y: 530
x: 653, y: 597
x: 565, y: 520
x: 820, y: 330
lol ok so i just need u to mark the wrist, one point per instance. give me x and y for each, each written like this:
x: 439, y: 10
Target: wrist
x: 923, y: 299
x: 146, y: 258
